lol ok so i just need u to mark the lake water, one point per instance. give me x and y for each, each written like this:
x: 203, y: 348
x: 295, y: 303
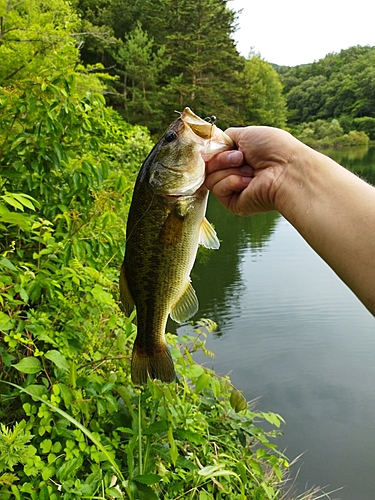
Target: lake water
x: 291, y: 333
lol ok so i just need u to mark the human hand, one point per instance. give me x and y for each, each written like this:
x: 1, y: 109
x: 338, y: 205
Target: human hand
x: 247, y: 181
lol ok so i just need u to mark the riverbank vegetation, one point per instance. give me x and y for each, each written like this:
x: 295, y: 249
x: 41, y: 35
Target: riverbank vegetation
x: 338, y: 90
x: 72, y: 424
x: 81, y: 88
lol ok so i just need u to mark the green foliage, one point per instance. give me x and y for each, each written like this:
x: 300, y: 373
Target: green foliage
x: 328, y: 133
x: 93, y: 432
x: 339, y: 86
x: 72, y: 424
x: 168, y: 55
x: 365, y: 124
x: 263, y: 100
x: 142, y: 69
x: 32, y: 32
x: 14, y: 447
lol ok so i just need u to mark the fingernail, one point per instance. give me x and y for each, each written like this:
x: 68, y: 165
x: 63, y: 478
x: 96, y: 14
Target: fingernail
x: 235, y: 158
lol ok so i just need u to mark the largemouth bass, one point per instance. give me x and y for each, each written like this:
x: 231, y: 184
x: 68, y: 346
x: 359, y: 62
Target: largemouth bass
x: 166, y: 224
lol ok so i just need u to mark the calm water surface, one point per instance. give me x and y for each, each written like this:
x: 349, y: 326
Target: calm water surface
x: 291, y: 333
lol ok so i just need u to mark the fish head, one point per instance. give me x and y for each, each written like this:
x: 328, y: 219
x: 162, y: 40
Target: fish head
x: 178, y: 166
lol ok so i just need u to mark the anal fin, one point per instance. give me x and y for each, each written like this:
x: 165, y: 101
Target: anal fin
x: 208, y: 236
x: 186, y: 306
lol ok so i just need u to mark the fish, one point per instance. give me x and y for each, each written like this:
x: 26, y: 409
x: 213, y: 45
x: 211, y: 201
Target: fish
x: 166, y: 223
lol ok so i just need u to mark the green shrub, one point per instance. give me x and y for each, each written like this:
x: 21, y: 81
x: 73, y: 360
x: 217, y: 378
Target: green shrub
x: 89, y: 432
x: 325, y: 133
x: 73, y: 424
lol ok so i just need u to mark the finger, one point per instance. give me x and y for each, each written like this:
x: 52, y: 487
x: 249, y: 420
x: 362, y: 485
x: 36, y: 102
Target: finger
x: 225, y: 186
x: 224, y: 160
x: 243, y: 174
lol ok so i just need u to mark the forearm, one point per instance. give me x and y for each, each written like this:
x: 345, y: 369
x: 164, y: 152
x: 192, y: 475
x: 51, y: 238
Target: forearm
x: 334, y: 211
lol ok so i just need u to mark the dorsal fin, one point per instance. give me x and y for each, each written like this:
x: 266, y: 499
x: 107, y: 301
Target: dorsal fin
x: 208, y: 236
x: 186, y: 306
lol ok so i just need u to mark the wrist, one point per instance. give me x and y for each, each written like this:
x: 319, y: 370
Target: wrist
x: 299, y: 181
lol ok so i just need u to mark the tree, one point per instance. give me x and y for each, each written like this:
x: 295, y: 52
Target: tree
x: 338, y: 86
x: 31, y: 34
x: 306, y: 101
x: 142, y: 69
x: 262, y: 97
x: 185, y: 49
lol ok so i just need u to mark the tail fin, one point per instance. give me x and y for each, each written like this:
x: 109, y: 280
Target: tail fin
x: 159, y: 365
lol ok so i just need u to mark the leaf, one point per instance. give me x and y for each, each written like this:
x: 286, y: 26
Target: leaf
x: 25, y: 199
x: 191, y: 436
x: 58, y: 359
x: 7, y: 264
x: 68, y: 467
x: 37, y: 390
x: 11, y: 201
x: 202, y: 382
x: 145, y: 492
x: 273, y: 418
x: 194, y: 371
x: 148, y: 478
x: 237, y: 401
x: 79, y: 426
x: 173, y: 447
x: 23, y: 221
x: 184, y: 463
x: 114, y: 493
x: 23, y: 295
x: 215, y: 385
x: 112, y: 321
x: 28, y: 365
x: 156, y: 427
x: 6, y: 322
x: 216, y: 470
x: 101, y: 295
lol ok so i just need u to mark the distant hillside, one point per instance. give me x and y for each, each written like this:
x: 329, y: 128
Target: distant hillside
x: 341, y: 85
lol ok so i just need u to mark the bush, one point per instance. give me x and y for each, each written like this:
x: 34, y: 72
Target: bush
x: 73, y: 425
x: 324, y: 133
x: 88, y: 430
x: 365, y: 124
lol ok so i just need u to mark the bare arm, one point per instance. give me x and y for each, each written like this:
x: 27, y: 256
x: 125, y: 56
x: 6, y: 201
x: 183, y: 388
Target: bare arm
x: 331, y: 208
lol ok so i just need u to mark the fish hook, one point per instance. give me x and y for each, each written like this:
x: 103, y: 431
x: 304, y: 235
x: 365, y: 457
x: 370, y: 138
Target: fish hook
x: 211, y: 119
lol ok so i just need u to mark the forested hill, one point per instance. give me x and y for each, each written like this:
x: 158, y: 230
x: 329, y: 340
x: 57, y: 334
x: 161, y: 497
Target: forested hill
x: 340, y: 86
x: 167, y: 54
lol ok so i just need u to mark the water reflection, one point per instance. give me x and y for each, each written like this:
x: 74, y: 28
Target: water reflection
x: 218, y: 274
x: 360, y: 160
x: 292, y: 333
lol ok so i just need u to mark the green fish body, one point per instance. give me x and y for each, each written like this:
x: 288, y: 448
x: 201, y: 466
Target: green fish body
x: 166, y: 223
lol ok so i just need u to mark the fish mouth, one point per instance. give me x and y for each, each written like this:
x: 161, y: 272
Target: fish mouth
x: 214, y: 138
x: 200, y: 127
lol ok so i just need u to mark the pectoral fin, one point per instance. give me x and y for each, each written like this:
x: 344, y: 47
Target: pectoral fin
x: 207, y: 235
x: 186, y: 306
x: 125, y: 295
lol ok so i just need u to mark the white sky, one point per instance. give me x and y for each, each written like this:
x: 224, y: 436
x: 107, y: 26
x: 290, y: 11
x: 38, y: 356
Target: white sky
x: 292, y: 32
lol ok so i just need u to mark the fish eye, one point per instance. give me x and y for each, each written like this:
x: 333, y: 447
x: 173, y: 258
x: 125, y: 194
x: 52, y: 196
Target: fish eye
x: 170, y: 136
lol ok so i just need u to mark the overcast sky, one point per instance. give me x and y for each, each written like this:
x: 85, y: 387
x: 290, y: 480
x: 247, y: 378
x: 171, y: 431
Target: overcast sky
x: 291, y: 32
